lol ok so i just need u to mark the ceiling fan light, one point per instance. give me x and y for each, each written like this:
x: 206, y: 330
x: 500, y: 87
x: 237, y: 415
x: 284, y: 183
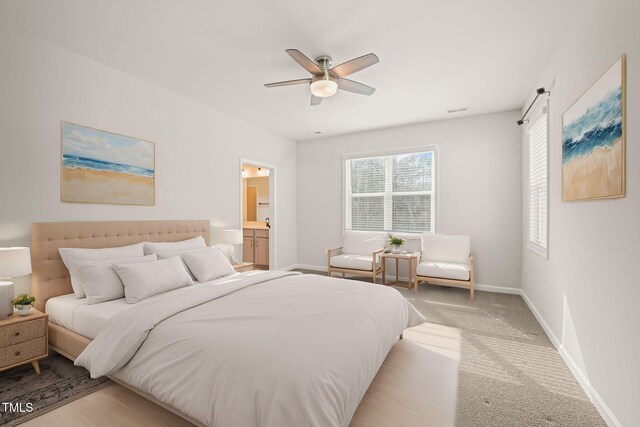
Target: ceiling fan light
x: 324, y: 88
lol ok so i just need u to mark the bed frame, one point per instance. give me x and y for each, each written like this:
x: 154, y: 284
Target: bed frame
x: 51, y: 278
x: 397, y: 396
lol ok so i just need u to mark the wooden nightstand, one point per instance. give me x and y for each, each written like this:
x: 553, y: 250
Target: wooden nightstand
x: 242, y: 266
x: 24, y: 339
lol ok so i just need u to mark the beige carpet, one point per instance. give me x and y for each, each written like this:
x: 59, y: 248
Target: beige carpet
x: 510, y: 373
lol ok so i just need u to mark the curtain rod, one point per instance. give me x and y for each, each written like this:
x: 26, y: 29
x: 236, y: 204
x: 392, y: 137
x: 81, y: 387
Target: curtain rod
x: 539, y: 91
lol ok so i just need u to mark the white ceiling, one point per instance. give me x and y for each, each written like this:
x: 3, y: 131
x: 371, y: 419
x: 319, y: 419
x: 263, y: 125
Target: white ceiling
x: 434, y: 55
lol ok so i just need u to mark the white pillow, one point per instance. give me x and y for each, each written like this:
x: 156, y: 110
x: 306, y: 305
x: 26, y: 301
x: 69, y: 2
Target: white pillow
x: 71, y: 255
x: 145, y: 279
x: 165, y: 255
x: 208, y: 264
x: 184, y: 245
x: 101, y: 282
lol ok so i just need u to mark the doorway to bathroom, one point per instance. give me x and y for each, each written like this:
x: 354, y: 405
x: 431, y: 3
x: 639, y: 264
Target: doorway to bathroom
x: 257, y: 214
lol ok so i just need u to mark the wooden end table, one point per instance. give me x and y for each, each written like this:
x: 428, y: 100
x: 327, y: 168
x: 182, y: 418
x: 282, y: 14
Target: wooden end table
x: 410, y: 257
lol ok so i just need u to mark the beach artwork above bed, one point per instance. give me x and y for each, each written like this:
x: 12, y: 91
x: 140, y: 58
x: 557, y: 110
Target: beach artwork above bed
x: 593, y: 140
x: 104, y: 167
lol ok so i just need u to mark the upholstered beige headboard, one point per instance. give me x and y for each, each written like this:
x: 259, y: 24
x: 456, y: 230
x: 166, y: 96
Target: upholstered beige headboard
x: 51, y: 278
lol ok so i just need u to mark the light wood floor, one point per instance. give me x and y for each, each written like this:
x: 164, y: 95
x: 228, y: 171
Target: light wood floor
x: 416, y: 386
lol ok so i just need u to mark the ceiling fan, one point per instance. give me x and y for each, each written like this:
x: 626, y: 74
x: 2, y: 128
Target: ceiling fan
x: 326, y: 81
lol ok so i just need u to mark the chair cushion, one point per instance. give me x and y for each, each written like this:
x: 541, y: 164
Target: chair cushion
x: 362, y: 242
x: 355, y: 262
x: 444, y: 270
x: 440, y: 247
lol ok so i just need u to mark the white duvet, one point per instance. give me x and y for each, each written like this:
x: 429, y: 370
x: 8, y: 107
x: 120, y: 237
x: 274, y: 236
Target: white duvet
x: 259, y: 349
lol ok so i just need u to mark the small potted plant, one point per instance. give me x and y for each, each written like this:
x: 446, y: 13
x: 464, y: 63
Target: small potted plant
x: 23, y: 303
x: 395, y: 243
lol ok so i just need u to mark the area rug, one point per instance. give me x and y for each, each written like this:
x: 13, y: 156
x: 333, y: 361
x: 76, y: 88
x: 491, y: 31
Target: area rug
x: 59, y: 383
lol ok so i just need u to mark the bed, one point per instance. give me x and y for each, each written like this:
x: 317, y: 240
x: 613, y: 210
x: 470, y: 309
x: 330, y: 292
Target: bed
x: 299, y: 350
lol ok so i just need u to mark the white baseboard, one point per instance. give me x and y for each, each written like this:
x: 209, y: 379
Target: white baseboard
x: 311, y: 267
x: 593, y: 395
x: 497, y: 289
x: 580, y: 376
x: 289, y: 267
x: 478, y: 287
x: 552, y: 337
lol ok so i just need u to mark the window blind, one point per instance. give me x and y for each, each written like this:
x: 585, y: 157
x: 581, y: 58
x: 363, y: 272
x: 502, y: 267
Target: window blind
x: 390, y: 193
x: 538, y: 183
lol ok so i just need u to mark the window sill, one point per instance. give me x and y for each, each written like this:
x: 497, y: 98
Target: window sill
x: 538, y: 250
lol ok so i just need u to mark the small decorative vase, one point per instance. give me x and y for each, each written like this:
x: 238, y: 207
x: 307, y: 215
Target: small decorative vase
x: 395, y: 249
x: 23, y: 310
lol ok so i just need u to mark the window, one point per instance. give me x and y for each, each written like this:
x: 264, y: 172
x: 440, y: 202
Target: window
x: 390, y: 193
x: 538, y: 183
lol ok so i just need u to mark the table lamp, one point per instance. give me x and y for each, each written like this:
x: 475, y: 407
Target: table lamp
x: 229, y: 238
x: 14, y: 262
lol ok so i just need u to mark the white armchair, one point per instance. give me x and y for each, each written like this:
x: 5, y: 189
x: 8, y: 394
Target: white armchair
x: 359, y: 254
x: 445, y: 260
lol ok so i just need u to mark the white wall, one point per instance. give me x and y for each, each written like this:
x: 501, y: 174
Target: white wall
x: 197, y: 148
x: 594, y: 246
x: 479, y: 184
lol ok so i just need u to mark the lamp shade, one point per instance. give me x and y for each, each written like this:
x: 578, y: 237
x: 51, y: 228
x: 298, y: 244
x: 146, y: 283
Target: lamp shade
x: 229, y: 237
x: 15, y: 262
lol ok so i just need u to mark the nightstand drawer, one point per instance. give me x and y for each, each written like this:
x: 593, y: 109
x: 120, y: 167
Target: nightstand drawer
x: 24, y: 351
x: 23, y: 331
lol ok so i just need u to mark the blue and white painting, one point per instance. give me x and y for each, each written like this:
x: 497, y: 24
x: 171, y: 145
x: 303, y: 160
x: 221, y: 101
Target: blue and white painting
x: 104, y: 167
x: 593, y: 159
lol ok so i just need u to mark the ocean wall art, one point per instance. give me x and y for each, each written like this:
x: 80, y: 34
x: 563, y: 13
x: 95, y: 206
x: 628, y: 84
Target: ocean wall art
x: 104, y: 167
x: 593, y: 140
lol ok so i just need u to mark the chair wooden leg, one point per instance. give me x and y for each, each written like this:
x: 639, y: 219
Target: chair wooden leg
x: 401, y: 336
x: 472, y: 291
x: 343, y: 275
x: 374, y: 276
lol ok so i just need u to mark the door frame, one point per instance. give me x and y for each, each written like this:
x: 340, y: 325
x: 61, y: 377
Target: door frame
x: 273, y: 217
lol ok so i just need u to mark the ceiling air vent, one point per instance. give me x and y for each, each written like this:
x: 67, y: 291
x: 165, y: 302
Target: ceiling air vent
x: 458, y: 110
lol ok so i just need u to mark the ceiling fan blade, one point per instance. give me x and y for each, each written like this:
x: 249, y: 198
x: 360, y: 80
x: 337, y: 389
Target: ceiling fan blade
x: 355, y: 87
x: 315, y: 100
x: 305, y: 62
x: 355, y: 65
x: 289, y: 83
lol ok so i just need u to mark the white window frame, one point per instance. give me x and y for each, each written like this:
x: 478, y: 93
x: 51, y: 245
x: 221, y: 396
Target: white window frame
x: 534, y: 246
x: 389, y: 193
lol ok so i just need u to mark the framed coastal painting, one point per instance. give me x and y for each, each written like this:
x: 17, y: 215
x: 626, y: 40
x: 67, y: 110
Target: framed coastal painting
x: 593, y: 140
x: 104, y: 167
